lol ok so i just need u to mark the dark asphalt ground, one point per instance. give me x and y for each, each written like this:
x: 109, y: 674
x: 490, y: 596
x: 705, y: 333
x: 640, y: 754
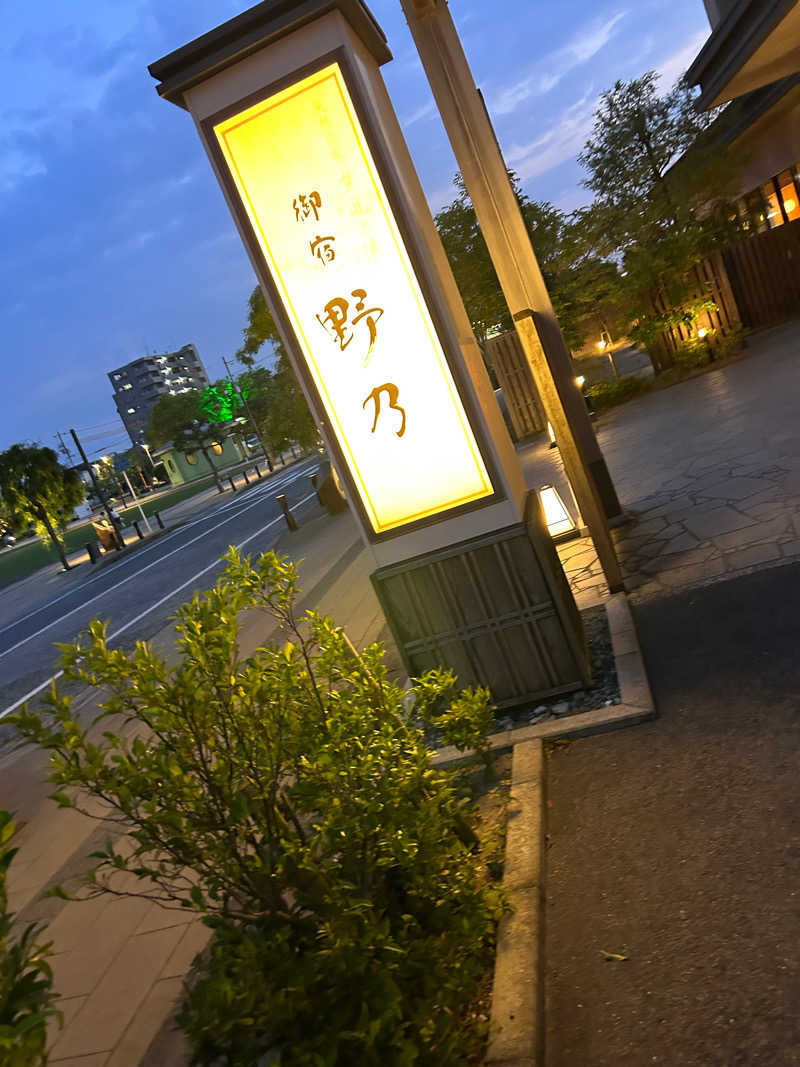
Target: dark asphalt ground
x: 677, y: 845
x: 140, y: 591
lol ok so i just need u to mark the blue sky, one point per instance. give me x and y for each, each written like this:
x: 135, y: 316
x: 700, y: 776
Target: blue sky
x: 116, y: 240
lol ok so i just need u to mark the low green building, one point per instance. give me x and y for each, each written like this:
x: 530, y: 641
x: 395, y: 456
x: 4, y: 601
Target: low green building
x: 187, y: 467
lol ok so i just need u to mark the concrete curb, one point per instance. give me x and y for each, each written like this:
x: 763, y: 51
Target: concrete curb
x: 517, y: 1028
x: 516, y: 1035
x: 636, y: 705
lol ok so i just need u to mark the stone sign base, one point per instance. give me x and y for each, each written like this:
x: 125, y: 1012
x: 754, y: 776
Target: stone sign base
x: 497, y: 609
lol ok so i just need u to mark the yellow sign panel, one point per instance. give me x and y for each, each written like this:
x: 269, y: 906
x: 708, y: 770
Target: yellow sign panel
x: 306, y: 178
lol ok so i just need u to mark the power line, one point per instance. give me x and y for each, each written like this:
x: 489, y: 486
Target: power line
x: 101, y: 425
x: 112, y: 435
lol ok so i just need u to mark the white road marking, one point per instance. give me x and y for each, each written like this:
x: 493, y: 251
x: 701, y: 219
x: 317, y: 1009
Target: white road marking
x: 278, y: 482
x: 130, y: 577
x: 142, y: 614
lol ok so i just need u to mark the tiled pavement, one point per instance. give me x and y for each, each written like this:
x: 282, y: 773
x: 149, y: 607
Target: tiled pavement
x: 709, y: 469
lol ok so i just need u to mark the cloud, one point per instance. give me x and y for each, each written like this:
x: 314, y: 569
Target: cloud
x: 550, y: 70
x: 16, y: 165
x: 79, y: 51
x: 676, y: 64
x: 562, y: 141
x: 134, y: 243
x: 426, y: 111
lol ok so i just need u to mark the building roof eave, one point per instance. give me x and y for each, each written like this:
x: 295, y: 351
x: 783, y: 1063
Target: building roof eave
x: 733, y: 41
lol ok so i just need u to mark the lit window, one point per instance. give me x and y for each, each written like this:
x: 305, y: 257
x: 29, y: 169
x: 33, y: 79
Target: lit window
x: 773, y: 212
x: 127, y: 386
x: 216, y: 448
x: 791, y: 204
x: 131, y: 411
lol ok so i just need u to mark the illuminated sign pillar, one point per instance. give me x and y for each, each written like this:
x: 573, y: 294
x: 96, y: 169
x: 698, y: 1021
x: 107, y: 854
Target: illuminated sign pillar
x: 293, y: 112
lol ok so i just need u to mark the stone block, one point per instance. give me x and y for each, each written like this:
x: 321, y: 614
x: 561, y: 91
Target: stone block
x: 751, y: 557
x: 99, y: 1059
x: 694, y: 557
x: 527, y: 764
x: 160, y: 918
x: 194, y: 940
x: 154, y: 1011
x: 69, y: 1008
x: 523, y: 863
x: 683, y: 542
x: 515, y: 1034
x: 686, y: 577
x: 633, y: 685
x: 619, y: 615
x: 761, y: 531
x: 730, y: 488
x: 109, y: 1009
x: 717, y: 521
x: 79, y: 970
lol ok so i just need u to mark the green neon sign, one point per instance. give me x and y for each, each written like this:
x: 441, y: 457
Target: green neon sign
x: 221, y: 402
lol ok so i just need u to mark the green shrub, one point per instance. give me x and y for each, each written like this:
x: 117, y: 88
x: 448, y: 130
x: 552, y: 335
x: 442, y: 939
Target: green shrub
x: 607, y: 394
x: 26, y: 996
x: 288, y: 799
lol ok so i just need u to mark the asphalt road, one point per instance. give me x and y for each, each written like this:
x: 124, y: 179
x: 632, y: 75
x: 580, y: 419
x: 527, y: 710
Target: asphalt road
x: 139, y: 593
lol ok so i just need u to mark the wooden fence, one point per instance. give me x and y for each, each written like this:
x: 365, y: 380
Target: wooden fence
x: 754, y: 282
x: 711, y: 281
x: 764, y: 273
x: 505, y: 355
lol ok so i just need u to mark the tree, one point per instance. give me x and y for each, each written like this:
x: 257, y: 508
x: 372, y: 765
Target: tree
x: 259, y: 330
x: 38, y: 489
x: 477, y: 281
x: 179, y: 420
x: 287, y: 798
x: 10, y: 522
x: 472, y: 265
x: 140, y: 466
x: 662, y: 191
x: 586, y: 288
x: 106, y: 476
x: 283, y: 413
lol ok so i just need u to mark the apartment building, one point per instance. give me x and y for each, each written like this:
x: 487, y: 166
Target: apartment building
x: 138, y: 385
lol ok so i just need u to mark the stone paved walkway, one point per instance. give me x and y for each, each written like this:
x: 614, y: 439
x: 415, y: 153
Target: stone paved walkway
x: 710, y: 468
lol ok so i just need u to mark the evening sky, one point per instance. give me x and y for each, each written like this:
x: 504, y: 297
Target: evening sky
x: 116, y: 240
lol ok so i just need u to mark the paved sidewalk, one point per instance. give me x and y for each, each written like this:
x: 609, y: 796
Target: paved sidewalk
x: 677, y: 845
x: 710, y: 468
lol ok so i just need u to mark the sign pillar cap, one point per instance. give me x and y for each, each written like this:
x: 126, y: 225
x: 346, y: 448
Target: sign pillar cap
x: 254, y: 29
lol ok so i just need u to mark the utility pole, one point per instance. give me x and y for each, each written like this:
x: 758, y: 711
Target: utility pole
x: 246, y: 406
x: 64, y: 450
x: 486, y: 179
x: 115, y: 525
